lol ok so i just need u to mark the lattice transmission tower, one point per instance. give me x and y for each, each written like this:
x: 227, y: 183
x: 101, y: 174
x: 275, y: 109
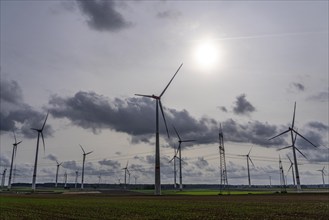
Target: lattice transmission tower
x: 222, y: 166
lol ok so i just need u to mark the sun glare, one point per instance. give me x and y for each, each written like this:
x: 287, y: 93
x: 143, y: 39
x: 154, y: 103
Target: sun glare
x: 207, y: 55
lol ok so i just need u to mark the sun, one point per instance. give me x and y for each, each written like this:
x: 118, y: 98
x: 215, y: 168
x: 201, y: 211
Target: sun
x: 207, y: 54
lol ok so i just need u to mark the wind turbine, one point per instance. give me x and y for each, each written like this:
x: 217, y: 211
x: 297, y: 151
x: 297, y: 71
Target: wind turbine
x: 175, y: 171
x: 58, y: 164
x: 37, y: 151
x: 135, y: 177
x: 283, y: 182
x: 294, y: 148
x: 126, y: 171
x: 248, y: 159
x: 99, y: 179
x: 180, y: 141
x: 83, y: 164
x: 12, y: 160
x: 76, y: 179
x: 323, y: 174
x: 3, y: 178
x: 65, y: 179
x: 292, y: 170
x: 157, y: 140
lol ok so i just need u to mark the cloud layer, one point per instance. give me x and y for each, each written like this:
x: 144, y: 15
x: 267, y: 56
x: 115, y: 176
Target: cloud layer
x: 102, y: 15
x: 136, y: 116
x: 17, y: 115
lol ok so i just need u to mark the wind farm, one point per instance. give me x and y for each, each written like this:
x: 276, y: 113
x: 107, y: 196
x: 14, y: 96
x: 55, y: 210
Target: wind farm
x: 164, y: 109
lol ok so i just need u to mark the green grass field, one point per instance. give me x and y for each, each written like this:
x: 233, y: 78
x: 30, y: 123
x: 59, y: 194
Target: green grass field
x: 198, y: 204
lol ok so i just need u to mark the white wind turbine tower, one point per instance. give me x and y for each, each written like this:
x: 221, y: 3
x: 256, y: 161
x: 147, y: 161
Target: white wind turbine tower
x: 126, y: 171
x: 294, y: 148
x: 57, y: 169
x: 157, y: 139
x: 180, y: 141
x: 175, y: 170
x: 40, y: 132
x: 12, y: 160
x: 292, y: 170
x: 323, y: 174
x: 83, y: 164
x: 248, y: 159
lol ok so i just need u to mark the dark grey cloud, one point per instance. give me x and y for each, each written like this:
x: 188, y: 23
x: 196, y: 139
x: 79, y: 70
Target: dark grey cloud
x: 168, y: 14
x: 111, y: 163
x: 317, y: 155
x: 71, y: 165
x: 242, y: 106
x: 10, y: 92
x: 297, y: 87
x: 321, y: 97
x: 102, y: 15
x: 253, y: 132
x: 135, y: 116
x: 319, y: 126
x: 17, y: 115
x: 312, y: 136
x: 52, y: 157
x: 201, y: 163
x: 222, y: 108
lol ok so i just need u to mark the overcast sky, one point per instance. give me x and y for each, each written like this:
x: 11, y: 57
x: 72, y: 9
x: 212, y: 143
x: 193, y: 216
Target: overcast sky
x: 245, y: 63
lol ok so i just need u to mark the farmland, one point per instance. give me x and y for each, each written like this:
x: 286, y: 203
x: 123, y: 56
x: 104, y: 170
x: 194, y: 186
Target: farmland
x: 137, y: 205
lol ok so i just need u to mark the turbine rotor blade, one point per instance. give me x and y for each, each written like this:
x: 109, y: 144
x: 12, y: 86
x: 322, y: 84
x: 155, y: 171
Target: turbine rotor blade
x: 293, y: 118
x: 289, y: 167
x: 15, y: 137
x: 174, y: 149
x: 289, y: 159
x: 15, y: 150
x: 43, y: 141
x: 44, y: 123
x: 82, y: 149
x: 164, y: 118
x: 89, y: 152
x: 179, y: 145
x: 295, y: 138
x: 279, y: 134
x: 304, y: 138
x: 249, y: 151
x: 177, y: 133
x: 18, y: 143
x: 283, y: 148
x: 171, y: 80
x: 301, y: 153
x: 188, y: 140
x: 251, y: 161
x: 148, y: 96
